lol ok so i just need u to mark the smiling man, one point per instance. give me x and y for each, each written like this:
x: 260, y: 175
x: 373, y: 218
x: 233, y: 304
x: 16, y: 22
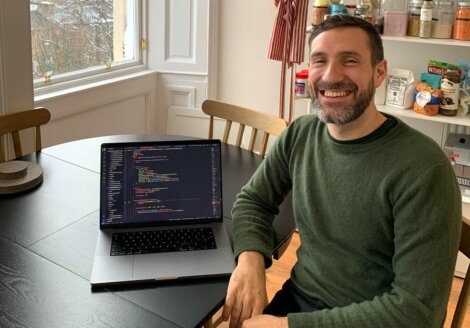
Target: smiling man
x: 376, y: 204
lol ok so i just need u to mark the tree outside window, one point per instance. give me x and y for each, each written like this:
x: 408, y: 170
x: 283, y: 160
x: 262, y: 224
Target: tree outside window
x: 73, y: 35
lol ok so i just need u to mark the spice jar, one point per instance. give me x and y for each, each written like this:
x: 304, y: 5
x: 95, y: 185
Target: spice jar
x: 442, y: 20
x: 425, y: 24
x: 301, y: 83
x: 414, y: 17
x: 462, y: 22
x: 450, y: 88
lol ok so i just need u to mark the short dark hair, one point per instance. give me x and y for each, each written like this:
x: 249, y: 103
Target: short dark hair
x: 337, y: 21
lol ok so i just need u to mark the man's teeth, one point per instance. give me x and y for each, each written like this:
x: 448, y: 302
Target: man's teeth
x: 336, y: 93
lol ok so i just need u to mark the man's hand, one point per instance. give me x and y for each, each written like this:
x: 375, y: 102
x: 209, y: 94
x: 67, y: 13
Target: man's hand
x: 246, y: 293
x: 266, y: 321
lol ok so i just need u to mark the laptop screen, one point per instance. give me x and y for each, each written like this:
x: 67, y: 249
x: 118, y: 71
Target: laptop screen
x: 160, y: 183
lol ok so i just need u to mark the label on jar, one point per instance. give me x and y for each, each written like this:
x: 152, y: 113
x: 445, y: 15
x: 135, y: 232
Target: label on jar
x: 300, y: 89
x: 426, y: 14
x: 450, y: 94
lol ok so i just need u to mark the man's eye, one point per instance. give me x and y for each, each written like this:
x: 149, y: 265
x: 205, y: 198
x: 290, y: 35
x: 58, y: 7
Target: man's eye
x: 318, y: 61
x: 350, y: 61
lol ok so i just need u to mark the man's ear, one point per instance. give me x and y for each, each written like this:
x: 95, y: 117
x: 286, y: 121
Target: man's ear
x: 380, y: 73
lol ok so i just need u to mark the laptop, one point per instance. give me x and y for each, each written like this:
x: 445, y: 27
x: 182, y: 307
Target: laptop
x: 161, y: 213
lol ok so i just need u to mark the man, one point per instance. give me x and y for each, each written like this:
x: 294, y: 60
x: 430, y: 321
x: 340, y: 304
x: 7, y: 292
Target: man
x: 376, y: 204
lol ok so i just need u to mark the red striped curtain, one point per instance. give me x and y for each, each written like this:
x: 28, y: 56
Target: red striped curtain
x: 288, y: 42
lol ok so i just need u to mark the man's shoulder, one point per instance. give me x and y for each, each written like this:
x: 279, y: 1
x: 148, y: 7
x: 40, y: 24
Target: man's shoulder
x: 415, y: 144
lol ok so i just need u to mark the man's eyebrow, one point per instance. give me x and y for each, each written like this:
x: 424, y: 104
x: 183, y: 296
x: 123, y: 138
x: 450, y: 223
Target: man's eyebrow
x: 317, y: 54
x: 342, y: 53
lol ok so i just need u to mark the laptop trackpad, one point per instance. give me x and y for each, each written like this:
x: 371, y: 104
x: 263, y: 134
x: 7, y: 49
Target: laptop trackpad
x: 164, y: 265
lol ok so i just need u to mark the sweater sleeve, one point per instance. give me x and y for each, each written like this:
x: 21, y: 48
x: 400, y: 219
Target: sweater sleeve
x: 427, y: 223
x: 258, y: 202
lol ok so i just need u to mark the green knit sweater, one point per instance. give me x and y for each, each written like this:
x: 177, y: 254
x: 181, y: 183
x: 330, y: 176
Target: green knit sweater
x: 379, y: 224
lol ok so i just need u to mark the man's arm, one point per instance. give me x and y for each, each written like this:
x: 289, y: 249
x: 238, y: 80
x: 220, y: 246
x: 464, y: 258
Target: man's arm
x: 252, y: 215
x: 246, y: 293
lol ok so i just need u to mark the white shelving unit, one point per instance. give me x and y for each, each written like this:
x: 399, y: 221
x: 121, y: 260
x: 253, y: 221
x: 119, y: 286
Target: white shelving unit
x: 457, y: 120
x: 448, y: 42
x: 409, y: 113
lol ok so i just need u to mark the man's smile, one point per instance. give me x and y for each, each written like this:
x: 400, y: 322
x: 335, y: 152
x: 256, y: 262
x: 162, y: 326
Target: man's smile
x: 335, y: 93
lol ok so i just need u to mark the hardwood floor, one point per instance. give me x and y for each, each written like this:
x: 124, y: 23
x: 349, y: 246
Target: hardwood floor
x: 280, y: 271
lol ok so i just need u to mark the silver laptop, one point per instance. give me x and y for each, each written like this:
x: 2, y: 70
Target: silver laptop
x: 161, y: 213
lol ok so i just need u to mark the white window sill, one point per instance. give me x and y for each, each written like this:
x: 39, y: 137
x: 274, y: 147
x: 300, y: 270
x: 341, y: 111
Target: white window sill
x: 57, y: 91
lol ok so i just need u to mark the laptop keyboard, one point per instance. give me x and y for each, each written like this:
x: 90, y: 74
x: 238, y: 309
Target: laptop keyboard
x: 159, y: 241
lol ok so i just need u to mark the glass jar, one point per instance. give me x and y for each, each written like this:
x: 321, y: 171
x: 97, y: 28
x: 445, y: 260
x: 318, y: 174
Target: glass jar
x: 338, y: 9
x: 443, y: 20
x: 318, y: 14
x: 450, y: 89
x: 393, y: 5
x: 395, y: 22
x: 362, y: 10
x: 425, y: 24
x: 352, y: 10
x: 462, y: 22
x: 414, y: 17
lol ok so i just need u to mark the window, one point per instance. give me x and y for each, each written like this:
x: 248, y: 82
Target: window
x: 73, y: 39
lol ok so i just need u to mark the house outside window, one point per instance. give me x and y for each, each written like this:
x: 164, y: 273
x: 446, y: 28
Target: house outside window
x: 73, y: 39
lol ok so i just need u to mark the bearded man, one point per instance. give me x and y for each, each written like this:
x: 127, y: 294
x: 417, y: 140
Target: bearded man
x: 376, y: 204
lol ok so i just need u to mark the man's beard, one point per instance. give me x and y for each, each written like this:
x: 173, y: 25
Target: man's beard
x: 346, y: 114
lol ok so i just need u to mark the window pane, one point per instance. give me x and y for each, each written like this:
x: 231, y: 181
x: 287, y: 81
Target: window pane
x: 71, y: 35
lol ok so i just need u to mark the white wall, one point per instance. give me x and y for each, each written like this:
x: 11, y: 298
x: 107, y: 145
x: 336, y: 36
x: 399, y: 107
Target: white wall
x: 246, y: 77
x: 16, y: 85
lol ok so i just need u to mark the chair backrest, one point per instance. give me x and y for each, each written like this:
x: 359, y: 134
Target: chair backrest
x: 267, y: 123
x: 13, y: 123
x: 464, y: 298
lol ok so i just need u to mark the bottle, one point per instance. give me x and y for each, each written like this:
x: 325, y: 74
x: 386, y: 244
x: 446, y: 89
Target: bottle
x: 425, y: 24
x: 442, y: 20
x: 414, y: 18
x: 462, y: 22
x: 301, y: 83
x: 450, y: 88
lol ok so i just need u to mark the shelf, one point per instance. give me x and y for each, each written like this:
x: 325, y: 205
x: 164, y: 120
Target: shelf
x: 448, y: 42
x: 458, y: 120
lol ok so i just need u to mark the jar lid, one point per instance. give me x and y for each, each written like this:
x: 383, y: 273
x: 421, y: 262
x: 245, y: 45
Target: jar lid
x: 446, y: 3
x: 303, y: 74
x: 365, y: 6
x: 417, y: 2
x: 464, y: 4
x: 321, y: 3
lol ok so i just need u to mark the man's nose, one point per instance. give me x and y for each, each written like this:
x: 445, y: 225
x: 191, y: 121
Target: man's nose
x: 333, y: 73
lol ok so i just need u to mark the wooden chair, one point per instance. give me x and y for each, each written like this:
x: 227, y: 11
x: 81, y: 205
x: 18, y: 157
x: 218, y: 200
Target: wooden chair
x: 267, y: 123
x: 13, y: 123
x: 464, y: 298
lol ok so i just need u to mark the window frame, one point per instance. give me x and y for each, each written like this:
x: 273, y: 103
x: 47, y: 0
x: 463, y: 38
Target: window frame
x: 97, y: 74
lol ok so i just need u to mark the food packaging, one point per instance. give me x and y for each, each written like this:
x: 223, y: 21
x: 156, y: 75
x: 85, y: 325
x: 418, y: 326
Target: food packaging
x: 464, y: 88
x: 438, y: 68
x: 432, y: 80
x: 400, y: 88
x: 427, y: 99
